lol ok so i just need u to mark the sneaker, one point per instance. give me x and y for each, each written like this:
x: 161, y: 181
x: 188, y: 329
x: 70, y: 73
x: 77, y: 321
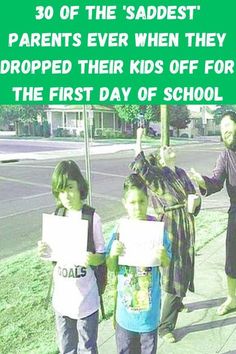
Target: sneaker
x: 226, y: 307
x: 169, y: 338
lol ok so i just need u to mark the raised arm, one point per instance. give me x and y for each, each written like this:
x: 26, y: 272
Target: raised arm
x: 213, y: 184
x: 138, y: 146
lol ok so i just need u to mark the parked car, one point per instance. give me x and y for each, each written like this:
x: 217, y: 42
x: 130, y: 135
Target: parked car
x: 152, y: 132
x: 184, y: 135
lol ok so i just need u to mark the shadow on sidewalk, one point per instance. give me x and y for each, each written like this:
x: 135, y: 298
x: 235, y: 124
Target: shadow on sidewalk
x: 182, y: 332
x: 206, y: 304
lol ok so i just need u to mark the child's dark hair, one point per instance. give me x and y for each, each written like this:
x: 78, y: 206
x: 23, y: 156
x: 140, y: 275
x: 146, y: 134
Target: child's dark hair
x: 133, y: 181
x: 64, y: 171
x: 231, y: 114
x: 154, y: 158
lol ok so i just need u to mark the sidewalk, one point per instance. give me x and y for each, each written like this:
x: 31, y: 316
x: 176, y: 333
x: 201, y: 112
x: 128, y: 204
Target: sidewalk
x: 201, y: 330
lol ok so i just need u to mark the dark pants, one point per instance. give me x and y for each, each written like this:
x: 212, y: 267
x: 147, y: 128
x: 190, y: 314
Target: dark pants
x: 135, y: 343
x: 77, y: 336
x: 230, y: 259
x: 171, y: 307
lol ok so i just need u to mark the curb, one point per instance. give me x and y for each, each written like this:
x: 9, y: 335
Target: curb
x: 9, y: 160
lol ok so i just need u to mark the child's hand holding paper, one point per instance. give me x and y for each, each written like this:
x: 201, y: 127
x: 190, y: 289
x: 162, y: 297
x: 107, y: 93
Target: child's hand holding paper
x: 44, y: 251
x: 117, y: 249
x: 161, y: 254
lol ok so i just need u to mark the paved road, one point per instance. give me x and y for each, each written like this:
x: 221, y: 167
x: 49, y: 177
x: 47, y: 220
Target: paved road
x: 8, y: 146
x: 25, y: 191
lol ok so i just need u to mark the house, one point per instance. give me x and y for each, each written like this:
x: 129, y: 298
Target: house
x: 104, y: 120
x: 202, y: 122
x: 69, y: 118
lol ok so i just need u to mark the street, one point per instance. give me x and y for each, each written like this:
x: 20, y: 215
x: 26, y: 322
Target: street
x: 11, y: 145
x: 25, y: 190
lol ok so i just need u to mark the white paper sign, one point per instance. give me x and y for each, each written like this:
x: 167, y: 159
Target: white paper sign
x: 67, y: 238
x: 140, y: 239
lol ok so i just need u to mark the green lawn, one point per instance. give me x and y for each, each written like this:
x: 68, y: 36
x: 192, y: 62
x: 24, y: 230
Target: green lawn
x: 26, y: 327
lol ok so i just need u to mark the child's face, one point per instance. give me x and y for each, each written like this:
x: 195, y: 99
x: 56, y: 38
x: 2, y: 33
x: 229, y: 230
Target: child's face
x: 136, y: 204
x: 70, y: 197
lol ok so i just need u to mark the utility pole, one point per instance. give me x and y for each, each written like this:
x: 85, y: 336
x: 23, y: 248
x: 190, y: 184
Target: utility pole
x: 165, y: 133
x: 204, y: 120
x: 87, y: 156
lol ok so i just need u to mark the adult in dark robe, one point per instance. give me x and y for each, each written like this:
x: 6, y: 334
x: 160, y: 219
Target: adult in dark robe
x: 225, y: 172
x: 170, y: 187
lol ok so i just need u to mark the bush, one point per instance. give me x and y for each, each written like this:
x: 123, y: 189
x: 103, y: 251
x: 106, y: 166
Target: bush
x: 38, y: 129
x: 98, y: 132
x: 25, y: 130
x: 46, y: 132
x: 108, y: 133
x: 62, y: 133
x: 118, y: 134
x: 58, y: 132
x: 66, y: 133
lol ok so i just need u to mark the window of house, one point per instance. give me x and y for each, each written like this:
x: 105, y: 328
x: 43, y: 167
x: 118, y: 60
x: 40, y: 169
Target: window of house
x: 97, y: 120
x: 57, y: 120
x: 108, y: 121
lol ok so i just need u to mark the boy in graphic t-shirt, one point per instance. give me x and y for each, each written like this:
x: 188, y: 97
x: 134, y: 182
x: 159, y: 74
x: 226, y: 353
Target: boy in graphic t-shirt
x: 138, y: 288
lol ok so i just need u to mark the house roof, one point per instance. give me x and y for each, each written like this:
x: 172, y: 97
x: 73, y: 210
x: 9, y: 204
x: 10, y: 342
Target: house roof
x: 76, y: 108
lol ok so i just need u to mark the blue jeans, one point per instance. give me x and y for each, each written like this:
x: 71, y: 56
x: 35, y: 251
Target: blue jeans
x: 135, y: 343
x: 77, y: 336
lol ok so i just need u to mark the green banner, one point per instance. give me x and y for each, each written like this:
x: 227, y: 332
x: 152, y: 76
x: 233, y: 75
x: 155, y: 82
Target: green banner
x: 125, y: 52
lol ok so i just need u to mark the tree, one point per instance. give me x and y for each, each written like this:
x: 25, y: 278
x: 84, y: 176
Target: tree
x: 221, y: 109
x: 152, y: 113
x: 22, y: 114
x: 127, y: 112
x: 179, y: 117
x: 130, y: 113
x: 8, y: 115
x: 30, y: 114
x: 133, y: 113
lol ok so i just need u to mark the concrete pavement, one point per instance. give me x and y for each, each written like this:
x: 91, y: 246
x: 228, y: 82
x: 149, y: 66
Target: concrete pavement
x: 201, y: 330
